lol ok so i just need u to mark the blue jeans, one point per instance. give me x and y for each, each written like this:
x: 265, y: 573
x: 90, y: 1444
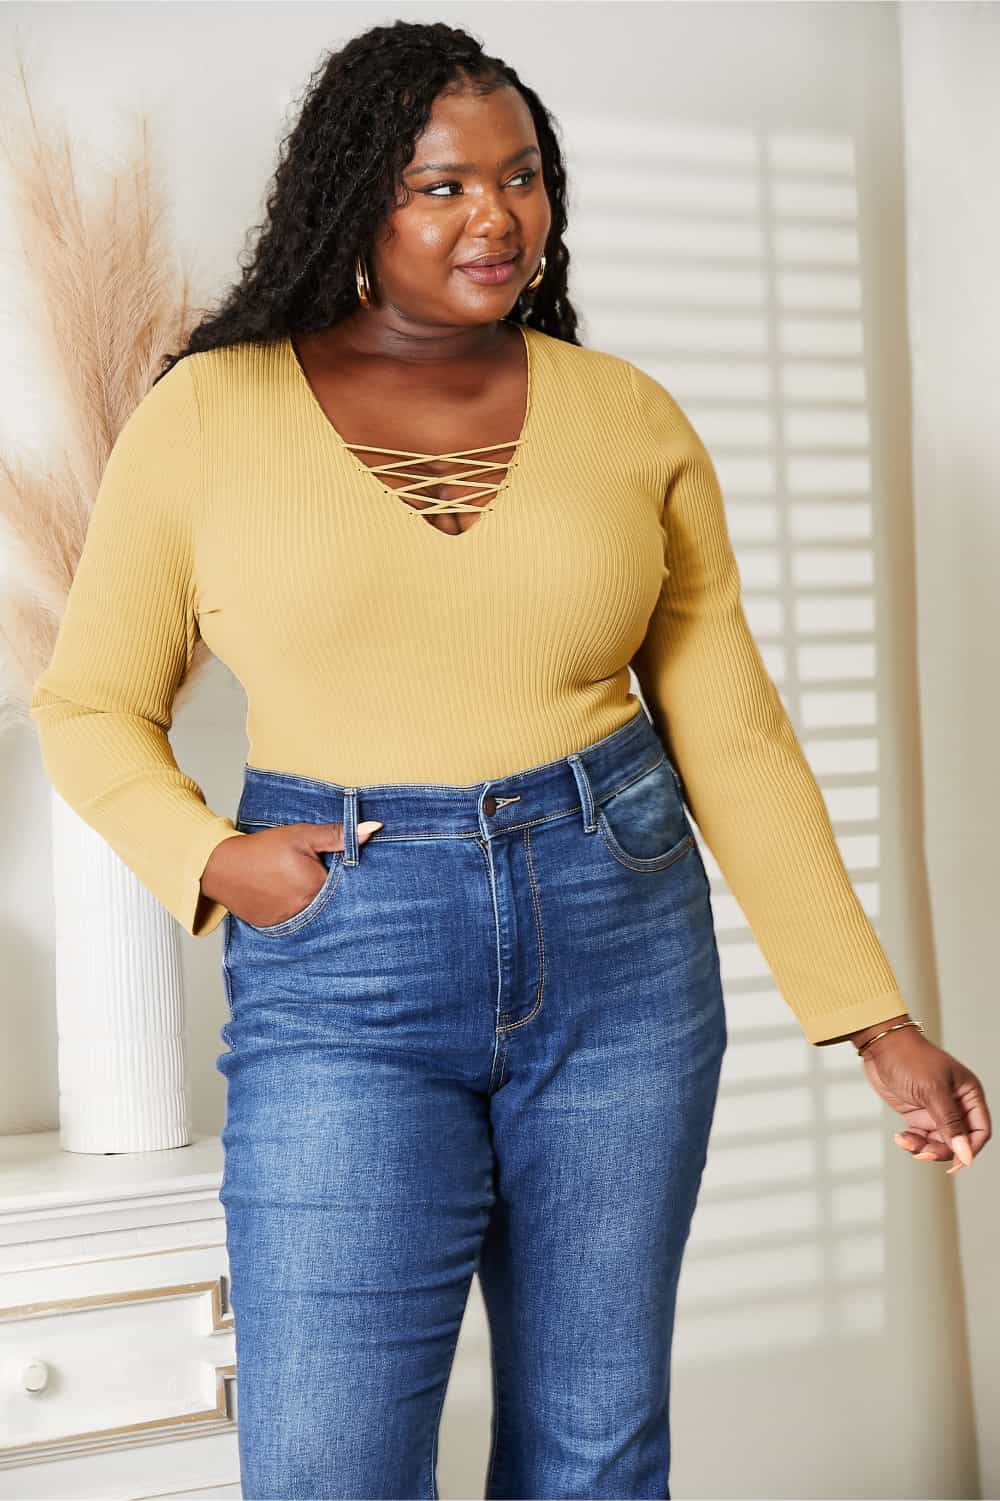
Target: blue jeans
x: 490, y: 1043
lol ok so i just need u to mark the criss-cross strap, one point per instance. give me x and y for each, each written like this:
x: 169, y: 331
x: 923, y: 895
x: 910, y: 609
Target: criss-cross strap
x: 399, y: 467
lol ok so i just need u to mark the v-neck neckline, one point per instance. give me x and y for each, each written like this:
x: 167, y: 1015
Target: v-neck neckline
x: 341, y: 446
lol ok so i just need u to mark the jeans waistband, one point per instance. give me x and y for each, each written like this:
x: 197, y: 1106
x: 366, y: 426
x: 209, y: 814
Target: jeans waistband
x: 576, y: 783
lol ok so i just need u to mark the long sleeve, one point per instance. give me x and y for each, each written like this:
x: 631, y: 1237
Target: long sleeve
x: 746, y: 779
x: 102, y: 708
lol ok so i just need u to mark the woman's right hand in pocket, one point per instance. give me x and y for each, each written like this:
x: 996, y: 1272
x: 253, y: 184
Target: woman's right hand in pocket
x: 270, y: 875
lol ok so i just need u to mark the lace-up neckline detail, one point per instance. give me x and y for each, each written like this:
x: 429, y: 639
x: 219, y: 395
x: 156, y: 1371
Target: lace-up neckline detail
x: 412, y: 491
x: 480, y: 494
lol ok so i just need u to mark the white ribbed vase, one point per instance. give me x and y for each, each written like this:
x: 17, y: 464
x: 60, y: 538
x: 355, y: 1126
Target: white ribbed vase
x: 119, y: 1001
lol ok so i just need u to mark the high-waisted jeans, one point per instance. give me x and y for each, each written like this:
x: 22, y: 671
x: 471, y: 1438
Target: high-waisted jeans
x: 490, y: 1043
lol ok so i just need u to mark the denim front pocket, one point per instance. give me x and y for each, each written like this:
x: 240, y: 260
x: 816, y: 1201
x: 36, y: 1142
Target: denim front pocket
x: 332, y: 859
x: 643, y: 824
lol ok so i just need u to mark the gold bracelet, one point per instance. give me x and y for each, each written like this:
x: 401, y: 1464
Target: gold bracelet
x: 894, y: 1028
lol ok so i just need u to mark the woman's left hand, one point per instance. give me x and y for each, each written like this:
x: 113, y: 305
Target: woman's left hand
x: 942, y: 1102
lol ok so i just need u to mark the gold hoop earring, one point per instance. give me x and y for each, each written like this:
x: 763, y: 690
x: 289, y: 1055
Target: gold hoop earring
x: 362, y: 283
x: 536, y: 280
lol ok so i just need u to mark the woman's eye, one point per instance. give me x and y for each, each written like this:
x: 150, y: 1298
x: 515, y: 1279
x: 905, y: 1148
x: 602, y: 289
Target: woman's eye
x: 528, y: 172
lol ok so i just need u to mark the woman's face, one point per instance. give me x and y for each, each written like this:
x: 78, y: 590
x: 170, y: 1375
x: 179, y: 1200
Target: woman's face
x: 475, y: 188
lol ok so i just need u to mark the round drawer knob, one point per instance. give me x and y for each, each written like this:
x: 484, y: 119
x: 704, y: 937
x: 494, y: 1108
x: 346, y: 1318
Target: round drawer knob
x: 35, y: 1376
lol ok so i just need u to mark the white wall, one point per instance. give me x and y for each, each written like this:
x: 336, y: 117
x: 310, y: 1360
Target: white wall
x: 951, y: 57
x: 737, y: 228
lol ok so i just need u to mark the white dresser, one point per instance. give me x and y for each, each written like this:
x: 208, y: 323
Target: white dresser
x: 117, y: 1352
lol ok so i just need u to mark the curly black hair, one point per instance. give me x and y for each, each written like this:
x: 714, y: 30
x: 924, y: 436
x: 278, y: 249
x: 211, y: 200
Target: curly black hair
x: 340, y: 173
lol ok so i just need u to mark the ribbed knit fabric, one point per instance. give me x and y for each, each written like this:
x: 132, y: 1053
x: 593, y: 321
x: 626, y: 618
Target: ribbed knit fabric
x: 375, y: 648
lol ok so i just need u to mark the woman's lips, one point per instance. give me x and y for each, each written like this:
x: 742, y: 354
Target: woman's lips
x: 490, y: 276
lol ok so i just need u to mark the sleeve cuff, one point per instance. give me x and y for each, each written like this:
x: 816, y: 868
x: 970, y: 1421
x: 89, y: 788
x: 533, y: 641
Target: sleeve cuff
x: 196, y: 913
x: 826, y: 1026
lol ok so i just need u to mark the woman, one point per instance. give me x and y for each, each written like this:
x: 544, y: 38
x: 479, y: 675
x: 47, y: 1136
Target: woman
x: 475, y: 1013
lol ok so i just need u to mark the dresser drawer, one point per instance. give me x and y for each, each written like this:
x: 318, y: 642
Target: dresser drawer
x: 116, y: 1351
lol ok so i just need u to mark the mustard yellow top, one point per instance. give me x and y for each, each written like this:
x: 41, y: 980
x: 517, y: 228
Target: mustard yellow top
x: 374, y: 647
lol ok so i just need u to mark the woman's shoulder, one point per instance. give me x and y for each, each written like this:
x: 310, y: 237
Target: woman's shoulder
x: 581, y: 359
x: 232, y: 361
x: 232, y: 374
x: 618, y: 389
x: 596, y: 379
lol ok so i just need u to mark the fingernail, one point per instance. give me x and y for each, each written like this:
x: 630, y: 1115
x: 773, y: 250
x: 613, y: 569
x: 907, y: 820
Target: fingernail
x: 900, y: 1139
x: 924, y: 1155
x: 956, y: 1167
x: 960, y: 1146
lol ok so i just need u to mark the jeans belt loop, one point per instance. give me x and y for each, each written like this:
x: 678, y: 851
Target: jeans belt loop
x: 350, y: 826
x: 587, y: 805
